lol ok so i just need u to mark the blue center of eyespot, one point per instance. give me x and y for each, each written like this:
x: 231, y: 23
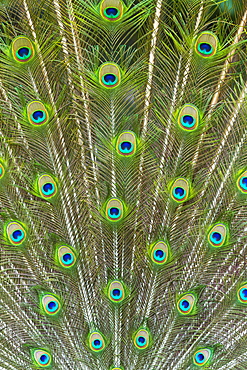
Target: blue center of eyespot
x: 111, y: 12
x: 216, y: 237
x: 17, y: 235
x: 126, y: 147
x: 109, y: 79
x: 68, y: 258
x: 243, y: 294
x: 200, y: 357
x: 116, y: 292
x: 159, y: 255
x: 205, y: 48
x: 44, y: 359
x: 52, y: 306
x: 179, y: 192
x: 97, y: 343
x: 243, y: 182
x: 48, y: 188
x: 24, y: 53
x: 38, y: 116
x: 1, y: 171
x: 114, y: 212
x: 188, y: 121
x: 184, y: 304
x: 141, y: 341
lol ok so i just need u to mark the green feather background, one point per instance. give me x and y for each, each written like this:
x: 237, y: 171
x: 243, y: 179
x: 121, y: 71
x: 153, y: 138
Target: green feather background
x: 123, y: 184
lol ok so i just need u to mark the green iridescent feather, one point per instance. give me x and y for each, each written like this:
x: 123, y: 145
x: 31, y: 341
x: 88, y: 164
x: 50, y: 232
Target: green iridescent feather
x: 123, y: 184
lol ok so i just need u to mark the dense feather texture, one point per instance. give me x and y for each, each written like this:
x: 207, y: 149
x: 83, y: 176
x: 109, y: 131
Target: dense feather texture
x: 123, y: 181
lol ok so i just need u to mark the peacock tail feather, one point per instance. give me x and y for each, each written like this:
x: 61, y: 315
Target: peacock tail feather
x: 123, y: 184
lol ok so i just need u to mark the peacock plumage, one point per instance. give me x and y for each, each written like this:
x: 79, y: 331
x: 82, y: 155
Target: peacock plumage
x: 123, y: 184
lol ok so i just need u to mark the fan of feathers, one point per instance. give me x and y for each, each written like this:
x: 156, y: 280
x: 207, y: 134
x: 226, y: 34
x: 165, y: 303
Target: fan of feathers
x: 123, y: 184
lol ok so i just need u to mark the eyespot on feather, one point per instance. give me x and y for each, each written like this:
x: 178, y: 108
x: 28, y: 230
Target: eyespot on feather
x: 186, y: 304
x: 180, y: 190
x: 37, y: 113
x: 126, y: 144
x: 47, y: 186
x: 22, y: 49
x: 242, y: 182
x: 2, y: 170
x: 109, y: 75
x: 159, y: 253
x: 242, y: 294
x: 114, y: 210
x: 15, y: 232
x: 217, y: 235
x: 142, y: 339
x: 41, y: 358
x: 206, y: 44
x: 116, y: 292
x: 66, y: 257
x: 188, y: 118
x: 111, y: 10
x: 96, y: 342
x: 202, y: 357
x: 50, y: 304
